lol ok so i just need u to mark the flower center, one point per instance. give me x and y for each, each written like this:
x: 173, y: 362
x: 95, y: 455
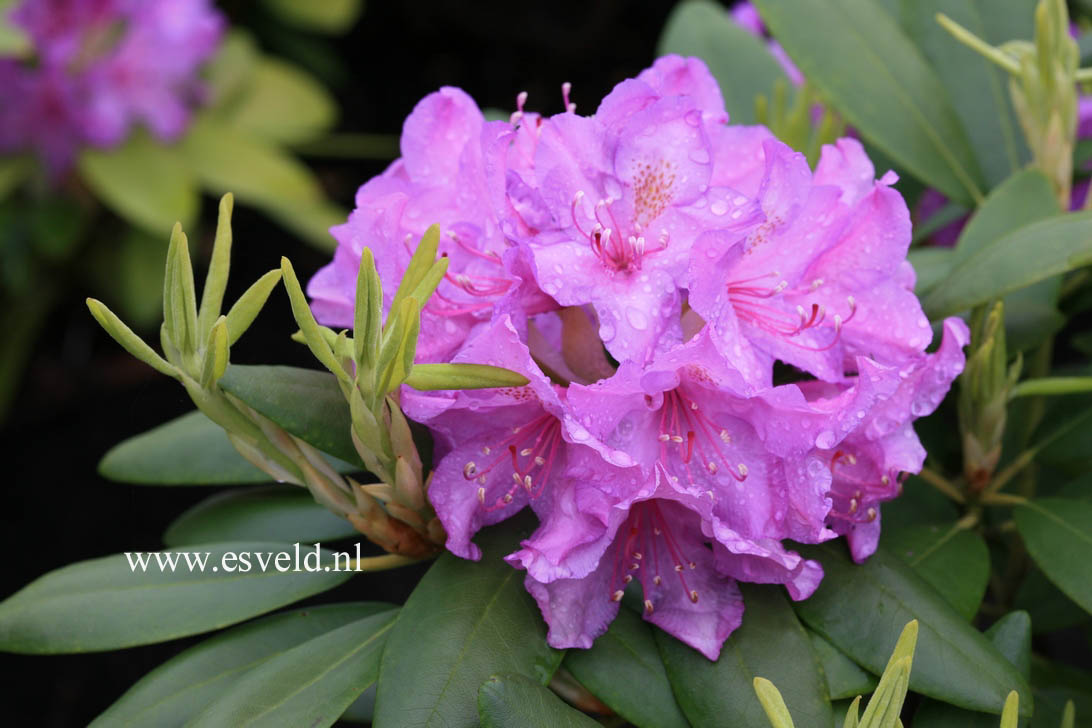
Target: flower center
x: 854, y: 497
x: 648, y: 546
x: 749, y: 296
x: 486, y: 288
x: 692, y: 445
x: 530, y: 450
x: 617, y: 251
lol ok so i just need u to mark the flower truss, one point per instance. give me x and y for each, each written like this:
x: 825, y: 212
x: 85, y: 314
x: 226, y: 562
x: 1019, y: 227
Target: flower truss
x: 645, y: 268
x: 99, y: 67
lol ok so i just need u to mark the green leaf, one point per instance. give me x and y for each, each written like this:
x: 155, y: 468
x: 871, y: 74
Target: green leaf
x: 462, y: 376
x: 106, y: 604
x: 741, y: 63
x: 286, y: 514
x: 860, y: 607
x: 310, y: 684
x: 770, y: 643
x: 464, y: 622
x: 1050, y: 609
x: 1011, y: 635
x: 1055, y: 684
x: 328, y: 16
x: 225, y: 159
x: 931, y: 265
x: 855, y: 53
x: 517, y: 701
x: 845, y: 679
x: 188, y: 450
x: 1022, y: 199
x: 231, y: 68
x: 1060, y: 244
x: 243, y: 312
x: 954, y: 560
x: 178, y: 689
x: 14, y: 41
x: 13, y: 170
x: 623, y: 669
x: 1058, y: 535
x: 282, y: 104
x: 979, y: 90
x: 128, y: 339
x: 145, y: 182
x: 306, y: 402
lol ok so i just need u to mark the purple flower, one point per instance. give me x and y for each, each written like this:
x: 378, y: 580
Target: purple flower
x: 620, y: 197
x: 439, y: 179
x: 822, y: 280
x: 102, y: 67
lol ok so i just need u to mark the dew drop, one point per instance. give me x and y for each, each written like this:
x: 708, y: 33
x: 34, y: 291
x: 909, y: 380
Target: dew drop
x: 825, y: 440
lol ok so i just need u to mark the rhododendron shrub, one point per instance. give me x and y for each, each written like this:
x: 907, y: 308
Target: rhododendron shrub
x: 657, y: 262
x: 673, y: 413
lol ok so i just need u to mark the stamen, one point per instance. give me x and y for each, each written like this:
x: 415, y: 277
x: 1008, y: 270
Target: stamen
x: 566, y: 88
x: 694, y: 596
x: 617, y: 596
x: 648, y: 606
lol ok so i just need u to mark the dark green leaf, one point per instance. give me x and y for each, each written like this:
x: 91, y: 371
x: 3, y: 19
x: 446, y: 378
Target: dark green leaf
x: 105, y: 604
x: 175, y: 691
x: 954, y: 560
x: 919, y: 504
x: 931, y: 265
x: 1011, y: 635
x: 1054, y: 684
x: 862, y: 608
x: 845, y: 678
x: 1050, y: 609
x: 855, y: 53
x: 1060, y: 244
x: 146, y: 183
x: 1058, y: 535
x: 305, y: 402
x: 188, y: 450
x: 362, y: 709
x: 517, y: 701
x: 770, y: 643
x: 624, y: 670
x: 979, y: 90
x: 464, y: 622
x: 741, y: 63
x: 287, y: 514
x: 1022, y: 199
x: 310, y: 684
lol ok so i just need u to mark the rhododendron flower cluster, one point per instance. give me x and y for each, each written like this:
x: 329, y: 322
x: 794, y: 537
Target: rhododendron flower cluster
x: 100, y: 67
x: 646, y: 267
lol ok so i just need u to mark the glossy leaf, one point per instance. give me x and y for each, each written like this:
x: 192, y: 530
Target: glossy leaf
x: 859, y: 608
x: 979, y: 90
x: 306, y: 402
x: 1060, y: 244
x: 1011, y: 635
x: 1050, y: 609
x: 310, y: 684
x: 856, y: 54
x: 1022, y: 199
x: 624, y: 670
x: 182, y: 686
x: 283, y: 104
x: 517, y: 701
x: 285, y: 514
x: 1058, y: 535
x: 955, y: 561
x: 845, y: 678
x: 770, y: 643
x: 188, y: 450
x: 464, y: 622
x: 144, y: 182
x: 105, y: 604
x: 741, y: 63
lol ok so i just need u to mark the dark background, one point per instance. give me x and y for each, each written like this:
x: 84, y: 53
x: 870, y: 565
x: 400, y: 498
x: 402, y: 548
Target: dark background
x: 82, y: 394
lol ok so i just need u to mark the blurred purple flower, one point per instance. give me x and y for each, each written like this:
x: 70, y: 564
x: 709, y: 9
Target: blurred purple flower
x: 102, y: 67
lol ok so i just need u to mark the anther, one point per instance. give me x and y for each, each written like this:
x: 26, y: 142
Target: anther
x: 638, y: 555
x: 678, y: 568
x: 742, y: 470
x: 527, y: 482
x: 525, y: 452
x: 692, y: 565
x: 872, y: 513
x: 539, y: 460
x: 507, y: 498
x: 617, y: 596
x: 694, y: 596
x: 853, y: 504
x: 648, y: 606
x: 725, y: 437
x: 470, y: 470
x: 712, y: 467
x: 515, y: 477
x: 664, y: 437
x: 627, y: 578
x: 481, y: 496
x: 657, y: 580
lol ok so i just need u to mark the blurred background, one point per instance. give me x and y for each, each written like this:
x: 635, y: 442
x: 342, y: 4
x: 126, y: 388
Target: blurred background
x: 76, y: 393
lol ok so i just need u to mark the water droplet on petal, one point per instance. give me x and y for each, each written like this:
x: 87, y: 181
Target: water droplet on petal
x: 825, y: 440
